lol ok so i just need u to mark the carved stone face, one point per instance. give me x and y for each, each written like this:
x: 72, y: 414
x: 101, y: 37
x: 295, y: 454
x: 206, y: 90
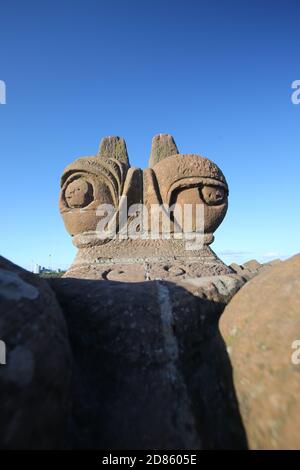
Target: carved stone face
x: 213, y: 195
x: 213, y: 198
x: 171, y: 179
x: 79, y: 193
x: 195, y: 181
x: 87, y: 184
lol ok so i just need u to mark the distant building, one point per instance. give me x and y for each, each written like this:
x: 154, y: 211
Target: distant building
x: 36, y: 269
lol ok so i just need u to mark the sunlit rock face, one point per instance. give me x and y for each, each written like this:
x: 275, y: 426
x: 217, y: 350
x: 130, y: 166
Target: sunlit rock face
x: 143, y: 216
x: 261, y: 330
x: 192, y: 180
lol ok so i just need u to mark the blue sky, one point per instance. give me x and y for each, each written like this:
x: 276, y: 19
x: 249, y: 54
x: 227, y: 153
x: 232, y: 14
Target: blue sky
x: 215, y: 74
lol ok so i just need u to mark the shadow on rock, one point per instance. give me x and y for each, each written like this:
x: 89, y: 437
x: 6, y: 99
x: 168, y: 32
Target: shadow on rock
x: 151, y: 369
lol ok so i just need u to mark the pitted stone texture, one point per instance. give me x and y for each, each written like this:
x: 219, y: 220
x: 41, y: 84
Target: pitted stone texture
x: 141, y: 261
x: 218, y: 288
x: 34, y: 382
x: 175, y: 270
x: 134, y: 272
x: 79, y: 193
x: 183, y: 170
x: 259, y: 326
x: 137, y: 271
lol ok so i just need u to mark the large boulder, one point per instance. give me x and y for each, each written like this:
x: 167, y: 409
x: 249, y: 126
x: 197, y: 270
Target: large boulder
x: 36, y: 362
x: 150, y: 371
x: 261, y: 326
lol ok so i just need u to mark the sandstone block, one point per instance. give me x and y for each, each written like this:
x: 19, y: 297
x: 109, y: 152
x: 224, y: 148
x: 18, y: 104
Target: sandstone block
x: 260, y: 326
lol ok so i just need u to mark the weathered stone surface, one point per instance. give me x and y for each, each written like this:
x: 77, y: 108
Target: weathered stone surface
x: 150, y: 368
x: 114, y: 147
x: 85, y: 185
x: 247, y: 274
x: 194, y: 180
x: 259, y: 327
x: 251, y: 268
x: 252, y: 265
x: 172, y: 180
x: 134, y: 272
x: 218, y: 289
x: 34, y: 382
x: 273, y: 262
x: 163, y: 146
x: 146, y: 260
x: 237, y: 268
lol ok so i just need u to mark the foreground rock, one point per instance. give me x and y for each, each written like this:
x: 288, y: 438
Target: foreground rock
x: 34, y: 382
x: 150, y: 369
x: 260, y: 327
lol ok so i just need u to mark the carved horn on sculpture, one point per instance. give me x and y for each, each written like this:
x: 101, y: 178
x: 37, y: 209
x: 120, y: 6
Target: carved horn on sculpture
x: 163, y: 146
x: 114, y: 147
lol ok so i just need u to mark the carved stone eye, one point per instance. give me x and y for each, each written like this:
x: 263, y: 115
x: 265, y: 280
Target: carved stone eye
x: 213, y: 195
x: 79, y: 193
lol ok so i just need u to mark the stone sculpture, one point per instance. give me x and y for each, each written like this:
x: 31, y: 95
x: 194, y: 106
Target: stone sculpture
x: 87, y: 360
x: 147, y: 251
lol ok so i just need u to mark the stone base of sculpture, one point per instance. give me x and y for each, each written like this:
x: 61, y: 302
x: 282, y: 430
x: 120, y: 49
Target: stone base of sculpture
x: 138, y: 260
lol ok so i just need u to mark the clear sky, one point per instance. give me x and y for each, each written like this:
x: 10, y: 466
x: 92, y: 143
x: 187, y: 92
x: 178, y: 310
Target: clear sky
x: 215, y: 74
